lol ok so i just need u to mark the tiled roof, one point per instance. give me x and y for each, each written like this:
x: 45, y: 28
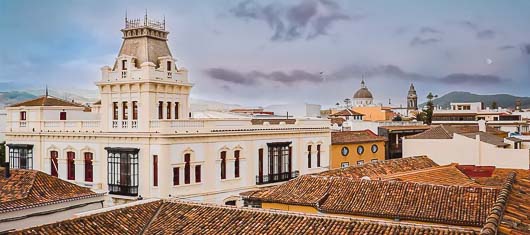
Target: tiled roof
x: 379, y: 168
x: 47, y: 101
x: 177, y: 217
x: 31, y: 188
x: 439, y: 175
x: 487, y: 138
x: 516, y: 217
x: 346, y: 112
x: 401, y: 128
x: 347, y: 137
x: 447, y: 131
x: 387, y: 199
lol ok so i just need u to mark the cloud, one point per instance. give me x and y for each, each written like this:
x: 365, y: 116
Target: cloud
x: 419, y: 41
x: 486, y: 34
x: 525, y: 49
x: 506, y: 47
x: 295, y: 77
x: 473, y: 79
x: 308, y: 19
x: 427, y: 30
x: 480, y: 32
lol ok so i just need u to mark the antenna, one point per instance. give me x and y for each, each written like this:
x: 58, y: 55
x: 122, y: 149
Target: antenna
x: 164, y: 25
x: 145, y: 18
x: 46, y: 90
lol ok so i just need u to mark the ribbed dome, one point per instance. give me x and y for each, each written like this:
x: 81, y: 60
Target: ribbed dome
x: 363, y: 93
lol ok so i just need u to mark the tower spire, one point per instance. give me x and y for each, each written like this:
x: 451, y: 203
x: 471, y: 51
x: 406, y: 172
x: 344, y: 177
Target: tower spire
x: 145, y: 18
x: 125, y: 18
x: 46, y: 90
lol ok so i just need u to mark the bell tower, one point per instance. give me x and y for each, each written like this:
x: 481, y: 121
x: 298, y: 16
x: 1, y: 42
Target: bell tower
x: 412, y: 100
x: 144, y: 86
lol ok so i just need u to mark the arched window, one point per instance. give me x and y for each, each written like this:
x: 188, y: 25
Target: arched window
x: 318, y: 155
x: 53, y: 162
x: 70, y: 157
x: 89, y: 170
x: 187, y: 159
x: 236, y: 164
x: 309, y: 156
x: 223, y: 165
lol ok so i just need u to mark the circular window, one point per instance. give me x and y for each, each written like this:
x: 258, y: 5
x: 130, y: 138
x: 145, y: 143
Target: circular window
x: 344, y: 151
x: 374, y: 148
x: 360, y: 150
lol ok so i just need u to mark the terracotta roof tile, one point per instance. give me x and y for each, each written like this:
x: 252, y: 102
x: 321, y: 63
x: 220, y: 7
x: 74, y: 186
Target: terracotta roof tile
x: 487, y: 138
x: 346, y: 112
x: 439, y: 175
x: 400, y: 128
x: 447, y: 131
x: 177, y: 217
x: 346, y: 137
x: 374, y: 169
x: 30, y: 188
x: 47, y: 101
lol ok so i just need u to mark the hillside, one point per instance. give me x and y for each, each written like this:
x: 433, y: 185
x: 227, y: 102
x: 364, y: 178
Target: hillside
x: 503, y: 100
x: 11, y: 97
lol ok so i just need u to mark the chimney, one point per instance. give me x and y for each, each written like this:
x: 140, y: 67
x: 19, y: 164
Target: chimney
x: 7, y: 173
x: 482, y: 125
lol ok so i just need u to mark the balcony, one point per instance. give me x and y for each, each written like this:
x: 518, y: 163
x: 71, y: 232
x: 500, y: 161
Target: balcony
x: 278, y: 177
x: 123, y: 190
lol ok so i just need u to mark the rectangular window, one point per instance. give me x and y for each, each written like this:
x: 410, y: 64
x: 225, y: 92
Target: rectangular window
x: 89, y: 169
x: 54, y: 155
x: 23, y: 116
x: 135, y: 110
x: 197, y: 173
x: 168, y: 110
x: 360, y: 162
x: 187, y: 168
x: 70, y: 162
x: 236, y: 164
x: 169, y: 66
x: 124, y: 110
x: 20, y: 156
x: 122, y: 171
x: 260, y: 166
x: 374, y: 160
x: 160, y: 110
x: 309, y: 156
x: 177, y: 110
x: 344, y: 164
x: 155, y: 170
x: 318, y: 155
x: 124, y: 64
x: 62, y: 116
x: 176, y: 176
x: 279, y: 164
x: 115, y: 110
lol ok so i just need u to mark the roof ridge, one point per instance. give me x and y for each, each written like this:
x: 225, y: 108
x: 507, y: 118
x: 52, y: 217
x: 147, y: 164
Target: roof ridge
x: 495, y: 216
x: 144, y: 229
x: 24, y: 101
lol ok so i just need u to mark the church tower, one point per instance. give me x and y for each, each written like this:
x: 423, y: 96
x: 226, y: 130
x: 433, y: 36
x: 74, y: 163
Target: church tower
x: 144, y: 86
x: 412, y: 100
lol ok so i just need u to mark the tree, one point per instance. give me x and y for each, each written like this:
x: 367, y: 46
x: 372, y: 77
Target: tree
x: 494, y: 105
x: 427, y: 113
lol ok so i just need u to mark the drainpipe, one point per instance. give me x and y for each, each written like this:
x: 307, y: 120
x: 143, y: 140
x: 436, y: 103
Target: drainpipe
x: 7, y: 172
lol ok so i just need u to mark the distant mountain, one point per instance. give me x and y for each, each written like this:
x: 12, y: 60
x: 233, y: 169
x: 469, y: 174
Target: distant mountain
x: 11, y: 97
x: 503, y: 100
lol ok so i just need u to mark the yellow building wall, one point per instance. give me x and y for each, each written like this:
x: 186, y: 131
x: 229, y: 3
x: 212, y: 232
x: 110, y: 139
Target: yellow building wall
x: 287, y: 207
x: 375, y: 113
x: 336, y: 157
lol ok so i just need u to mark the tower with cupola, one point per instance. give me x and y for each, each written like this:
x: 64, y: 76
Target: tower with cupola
x: 144, y: 87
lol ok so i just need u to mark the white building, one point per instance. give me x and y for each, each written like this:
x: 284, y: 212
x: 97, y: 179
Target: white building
x: 296, y: 110
x: 472, y: 112
x: 446, y: 144
x: 3, y: 118
x: 363, y: 97
x: 139, y: 140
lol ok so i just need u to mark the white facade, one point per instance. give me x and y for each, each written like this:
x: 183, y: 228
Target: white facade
x: 143, y: 126
x: 3, y: 119
x: 467, y: 151
x: 295, y: 110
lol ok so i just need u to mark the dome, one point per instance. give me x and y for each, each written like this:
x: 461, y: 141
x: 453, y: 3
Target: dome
x: 363, y: 93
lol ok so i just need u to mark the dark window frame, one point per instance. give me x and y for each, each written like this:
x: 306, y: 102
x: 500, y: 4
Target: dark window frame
x: 62, y: 116
x: 236, y: 163
x: 23, y: 115
x: 197, y: 173
x: 160, y: 110
x: 309, y: 156
x: 115, y: 111
x: 54, y: 164
x: 177, y: 104
x: 70, y: 165
x: 176, y: 176
x: 123, y: 171
x: 187, y: 168
x: 124, y: 110
x: 223, y: 165
x: 20, y: 156
x: 135, y: 110
x: 155, y: 170
x: 168, y: 110
x: 318, y: 155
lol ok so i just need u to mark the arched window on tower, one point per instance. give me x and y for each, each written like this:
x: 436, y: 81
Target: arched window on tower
x: 89, y: 170
x: 223, y: 165
x: 70, y: 158
x: 187, y: 166
x: 54, y: 155
x: 236, y: 163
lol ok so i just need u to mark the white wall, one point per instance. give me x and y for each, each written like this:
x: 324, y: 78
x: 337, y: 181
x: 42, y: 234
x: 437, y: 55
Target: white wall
x: 466, y: 151
x: 3, y: 120
x: 296, y: 110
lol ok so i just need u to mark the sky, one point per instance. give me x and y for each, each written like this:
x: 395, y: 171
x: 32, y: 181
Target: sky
x: 259, y: 53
